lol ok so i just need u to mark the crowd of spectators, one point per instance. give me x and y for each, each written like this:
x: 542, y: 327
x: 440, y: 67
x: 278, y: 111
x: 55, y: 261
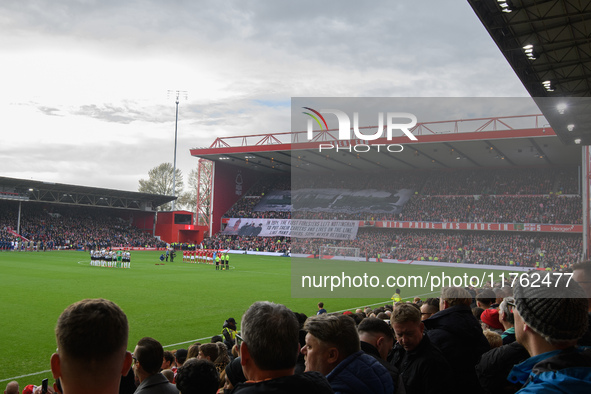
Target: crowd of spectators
x: 244, y: 208
x: 493, y: 209
x: 47, y: 227
x: 483, y: 196
x: 471, y: 209
x: 495, y: 248
x: 246, y: 243
x: 499, y: 338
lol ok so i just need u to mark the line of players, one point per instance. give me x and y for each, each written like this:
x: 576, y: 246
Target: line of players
x: 110, y: 258
x: 208, y: 256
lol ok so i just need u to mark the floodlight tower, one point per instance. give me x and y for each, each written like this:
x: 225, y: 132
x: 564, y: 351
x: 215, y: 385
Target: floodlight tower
x: 184, y: 94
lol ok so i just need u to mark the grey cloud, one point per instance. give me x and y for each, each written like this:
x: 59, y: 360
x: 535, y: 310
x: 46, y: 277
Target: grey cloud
x: 125, y: 114
x: 51, y: 111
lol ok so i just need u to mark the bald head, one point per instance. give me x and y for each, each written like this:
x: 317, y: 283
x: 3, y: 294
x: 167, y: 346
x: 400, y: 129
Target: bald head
x: 12, y: 388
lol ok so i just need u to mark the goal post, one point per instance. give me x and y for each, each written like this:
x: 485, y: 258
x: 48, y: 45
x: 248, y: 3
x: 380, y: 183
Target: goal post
x: 339, y: 253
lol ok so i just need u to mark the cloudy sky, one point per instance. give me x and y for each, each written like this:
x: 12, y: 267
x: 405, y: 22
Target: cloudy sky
x: 83, y: 98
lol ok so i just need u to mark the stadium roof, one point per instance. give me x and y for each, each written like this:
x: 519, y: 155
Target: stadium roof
x: 29, y: 190
x: 501, y: 142
x: 548, y: 45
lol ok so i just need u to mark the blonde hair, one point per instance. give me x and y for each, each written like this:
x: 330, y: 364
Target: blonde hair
x: 494, y: 338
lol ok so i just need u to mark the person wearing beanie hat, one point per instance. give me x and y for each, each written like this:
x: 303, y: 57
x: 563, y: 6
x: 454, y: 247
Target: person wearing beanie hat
x: 549, y: 319
x: 234, y: 375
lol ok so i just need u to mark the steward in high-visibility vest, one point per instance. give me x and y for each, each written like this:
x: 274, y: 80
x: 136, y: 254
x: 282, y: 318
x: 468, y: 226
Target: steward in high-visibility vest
x: 229, y: 332
x: 396, y: 297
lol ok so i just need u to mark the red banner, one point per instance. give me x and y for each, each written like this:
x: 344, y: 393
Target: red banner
x: 531, y: 227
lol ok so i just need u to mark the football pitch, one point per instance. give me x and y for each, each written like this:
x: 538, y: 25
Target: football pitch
x: 176, y: 303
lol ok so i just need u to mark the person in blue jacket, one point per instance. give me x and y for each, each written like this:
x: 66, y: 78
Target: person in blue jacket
x: 549, y: 319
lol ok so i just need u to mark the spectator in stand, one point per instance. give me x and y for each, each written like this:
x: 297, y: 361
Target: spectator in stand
x: 485, y: 298
x: 507, y: 320
x: 333, y: 349
x: 376, y: 339
x: 197, y: 377
x: 457, y: 333
x: 217, y: 353
x: 92, y: 348
x: 490, y: 320
x: 168, y: 374
x: 494, y: 367
x: 548, y: 322
x: 321, y: 309
x: 147, y: 359
x: 269, y: 353
x: 422, y: 366
x: 494, y: 338
x: 12, y: 388
x: 582, y: 275
x: 429, y: 308
x: 234, y: 375
x: 477, y: 312
x: 193, y: 351
x: 168, y: 360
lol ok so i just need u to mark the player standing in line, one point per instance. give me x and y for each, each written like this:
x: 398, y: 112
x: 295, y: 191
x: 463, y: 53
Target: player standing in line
x: 119, y: 254
x: 227, y: 259
x: 216, y: 256
x: 127, y: 259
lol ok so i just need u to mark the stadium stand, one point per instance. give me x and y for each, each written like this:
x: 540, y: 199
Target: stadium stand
x: 540, y: 195
x: 49, y: 226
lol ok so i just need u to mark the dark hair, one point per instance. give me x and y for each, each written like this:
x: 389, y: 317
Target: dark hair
x: 434, y: 301
x: 181, y: 355
x: 149, y: 353
x: 477, y: 311
x: 339, y: 331
x: 301, y: 318
x: 585, y: 266
x: 234, y: 372
x: 197, y: 377
x: 487, y: 297
x: 168, y: 356
x: 210, y: 350
x: 382, y: 316
x: 270, y: 332
x: 92, y: 329
x: 216, y: 338
x: 375, y: 325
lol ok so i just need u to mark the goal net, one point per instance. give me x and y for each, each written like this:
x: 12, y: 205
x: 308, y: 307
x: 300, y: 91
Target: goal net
x: 339, y: 253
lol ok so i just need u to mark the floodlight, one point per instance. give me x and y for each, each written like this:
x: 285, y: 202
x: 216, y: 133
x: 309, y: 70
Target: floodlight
x: 561, y: 108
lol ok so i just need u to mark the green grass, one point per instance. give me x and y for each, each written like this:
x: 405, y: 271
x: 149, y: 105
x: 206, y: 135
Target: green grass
x: 175, y: 303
